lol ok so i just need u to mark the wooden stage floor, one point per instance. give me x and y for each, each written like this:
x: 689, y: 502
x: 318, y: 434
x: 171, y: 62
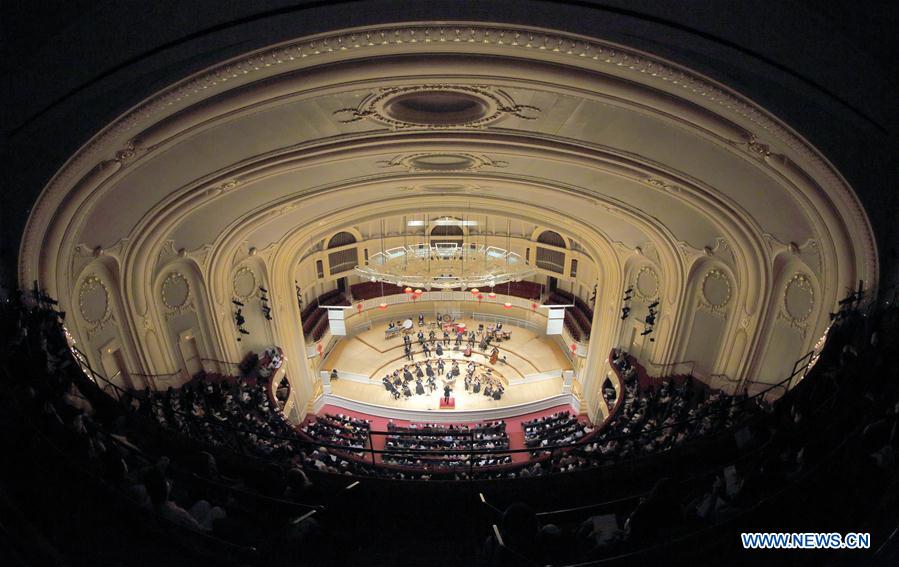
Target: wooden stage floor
x: 369, y: 354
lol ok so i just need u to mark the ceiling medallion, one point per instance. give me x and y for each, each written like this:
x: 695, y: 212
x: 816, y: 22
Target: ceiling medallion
x: 176, y: 293
x: 442, y: 162
x: 798, y: 301
x: 715, y: 292
x: 446, y: 265
x: 646, y: 284
x: 437, y: 106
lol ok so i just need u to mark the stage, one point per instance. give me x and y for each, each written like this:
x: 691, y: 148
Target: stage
x: 532, y: 371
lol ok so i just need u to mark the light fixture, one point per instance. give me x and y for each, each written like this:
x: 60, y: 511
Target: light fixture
x: 382, y: 306
x: 491, y: 295
x: 507, y: 305
x: 475, y: 291
x: 418, y: 292
x: 446, y: 265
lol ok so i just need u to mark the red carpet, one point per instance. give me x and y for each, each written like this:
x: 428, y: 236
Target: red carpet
x: 448, y: 404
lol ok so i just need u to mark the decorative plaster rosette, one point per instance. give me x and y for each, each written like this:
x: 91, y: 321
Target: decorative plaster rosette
x: 715, y: 300
x: 798, y: 302
x: 437, y: 106
x: 176, y: 294
x: 646, y: 284
x: 245, y: 284
x: 437, y: 162
x: 96, y: 319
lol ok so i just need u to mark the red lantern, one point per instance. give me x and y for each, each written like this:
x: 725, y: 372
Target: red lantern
x: 475, y: 291
x: 382, y: 306
x: 533, y: 306
x: 418, y: 292
x: 320, y: 348
x: 408, y: 290
x: 359, y: 307
x: 507, y: 305
x: 491, y: 295
x: 480, y: 297
x: 573, y: 348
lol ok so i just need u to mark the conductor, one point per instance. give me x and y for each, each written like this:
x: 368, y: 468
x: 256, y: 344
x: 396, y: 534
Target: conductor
x: 446, y: 393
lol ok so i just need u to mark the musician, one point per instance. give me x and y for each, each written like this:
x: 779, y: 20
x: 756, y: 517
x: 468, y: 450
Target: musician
x: 426, y: 349
x: 390, y: 326
x: 419, y: 387
x: 446, y: 338
x: 428, y: 370
x: 447, y: 390
x: 421, y: 320
x: 499, y: 326
x: 440, y: 366
x: 494, y: 355
x: 438, y: 349
x: 418, y: 372
x: 407, y: 376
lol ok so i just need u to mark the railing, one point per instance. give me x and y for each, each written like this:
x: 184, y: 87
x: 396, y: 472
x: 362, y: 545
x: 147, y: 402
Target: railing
x: 724, y: 383
x: 682, y: 368
x: 232, y: 368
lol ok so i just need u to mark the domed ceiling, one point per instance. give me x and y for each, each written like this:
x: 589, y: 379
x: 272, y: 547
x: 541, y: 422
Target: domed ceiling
x: 324, y: 130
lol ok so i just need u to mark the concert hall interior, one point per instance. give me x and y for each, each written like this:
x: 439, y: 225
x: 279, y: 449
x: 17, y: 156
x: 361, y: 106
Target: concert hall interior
x: 391, y: 282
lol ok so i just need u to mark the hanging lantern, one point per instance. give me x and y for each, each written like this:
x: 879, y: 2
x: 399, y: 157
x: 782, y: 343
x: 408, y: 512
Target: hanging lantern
x: 480, y: 297
x: 507, y: 305
x: 320, y: 348
x: 418, y: 292
x: 573, y: 348
x: 475, y: 291
x: 359, y: 307
x: 408, y: 290
x: 533, y: 306
x: 382, y: 306
x: 491, y: 295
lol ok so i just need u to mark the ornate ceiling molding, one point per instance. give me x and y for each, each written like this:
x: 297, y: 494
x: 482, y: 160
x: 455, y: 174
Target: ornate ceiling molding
x: 245, y: 284
x: 646, y: 284
x: 792, y: 310
x: 94, y: 321
x: 437, y: 106
x: 463, y: 36
x: 713, y: 305
x: 442, y: 162
x: 177, y: 295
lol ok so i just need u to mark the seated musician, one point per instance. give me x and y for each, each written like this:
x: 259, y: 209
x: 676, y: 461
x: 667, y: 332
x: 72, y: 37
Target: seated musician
x: 391, y: 326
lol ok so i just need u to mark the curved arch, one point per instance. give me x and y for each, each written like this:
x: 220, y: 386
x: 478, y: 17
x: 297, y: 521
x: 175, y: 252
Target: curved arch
x: 342, y: 238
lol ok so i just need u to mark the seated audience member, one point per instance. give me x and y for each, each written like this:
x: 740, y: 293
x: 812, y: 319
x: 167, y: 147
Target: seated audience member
x: 201, y: 515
